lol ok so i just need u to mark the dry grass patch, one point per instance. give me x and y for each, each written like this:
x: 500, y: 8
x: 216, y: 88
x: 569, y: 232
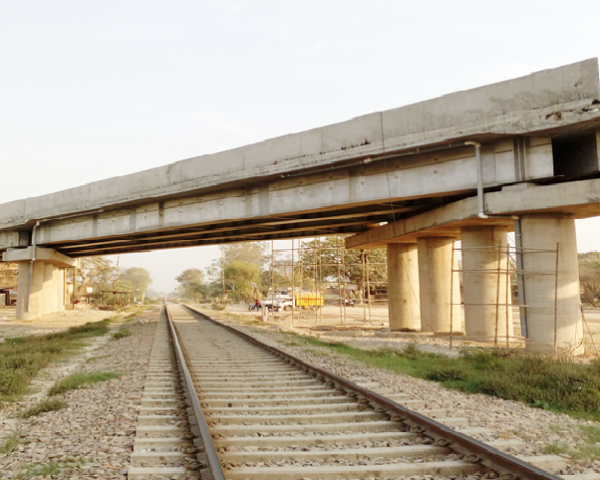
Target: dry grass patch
x: 80, y: 380
x: 48, y: 405
x: 22, y: 358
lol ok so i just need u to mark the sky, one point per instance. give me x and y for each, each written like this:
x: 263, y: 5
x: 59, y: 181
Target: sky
x: 100, y: 88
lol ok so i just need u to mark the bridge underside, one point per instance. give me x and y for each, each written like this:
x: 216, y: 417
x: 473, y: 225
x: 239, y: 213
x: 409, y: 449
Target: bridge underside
x: 340, y: 221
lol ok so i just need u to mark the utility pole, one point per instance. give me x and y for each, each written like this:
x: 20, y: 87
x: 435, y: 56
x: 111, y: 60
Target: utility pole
x: 222, y: 274
x: 118, y: 271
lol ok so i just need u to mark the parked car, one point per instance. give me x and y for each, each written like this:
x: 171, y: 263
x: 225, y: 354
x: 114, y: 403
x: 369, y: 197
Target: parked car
x: 286, y: 304
x: 271, y: 304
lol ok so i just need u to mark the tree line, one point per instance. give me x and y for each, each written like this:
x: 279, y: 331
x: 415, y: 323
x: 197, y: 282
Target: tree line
x: 98, y: 274
x: 243, y: 272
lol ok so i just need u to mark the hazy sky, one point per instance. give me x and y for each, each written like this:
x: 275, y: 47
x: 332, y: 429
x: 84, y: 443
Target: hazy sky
x: 94, y: 89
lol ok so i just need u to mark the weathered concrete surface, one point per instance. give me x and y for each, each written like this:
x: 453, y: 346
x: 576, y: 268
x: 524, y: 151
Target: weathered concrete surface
x: 41, y: 290
x: 403, y: 287
x: 42, y: 255
x: 580, y: 199
x: 440, y: 292
x: 545, y: 324
x: 486, y: 283
x: 278, y: 204
x: 41, y: 287
x: 352, y: 163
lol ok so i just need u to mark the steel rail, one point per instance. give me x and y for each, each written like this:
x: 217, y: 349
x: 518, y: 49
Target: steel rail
x: 510, y: 467
x: 212, y: 460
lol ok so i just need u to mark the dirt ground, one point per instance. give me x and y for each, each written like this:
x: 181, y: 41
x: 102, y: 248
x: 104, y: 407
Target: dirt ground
x: 369, y: 328
x: 51, y: 323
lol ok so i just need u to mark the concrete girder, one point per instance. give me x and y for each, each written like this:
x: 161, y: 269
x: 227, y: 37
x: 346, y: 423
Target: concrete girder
x: 451, y: 172
x: 244, y: 228
x: 580, y: 199
x: 540, y: 104
x: 14, y: 238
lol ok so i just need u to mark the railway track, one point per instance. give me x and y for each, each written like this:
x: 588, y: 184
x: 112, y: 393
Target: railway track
x: 263, y: 414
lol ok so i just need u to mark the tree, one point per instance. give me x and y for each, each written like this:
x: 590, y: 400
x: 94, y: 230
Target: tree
x: 352, y: 270
x: 249, y: 252
x: 240, y: 276
x: 191, y: 275
x: 589, y: 275
x: 192, y: 282
x: 137, y: 279
x: 97, y: 273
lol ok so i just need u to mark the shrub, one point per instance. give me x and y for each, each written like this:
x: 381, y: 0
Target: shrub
x: 80, y: 380
x: 121, y: 333
x: 444, y: 373
x: 49, y: 405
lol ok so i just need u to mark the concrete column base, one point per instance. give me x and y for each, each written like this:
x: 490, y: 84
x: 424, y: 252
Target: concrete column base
x: 436, y: 282
x: 484, y: 248
x: 544, y: 327
x: 403, y: 287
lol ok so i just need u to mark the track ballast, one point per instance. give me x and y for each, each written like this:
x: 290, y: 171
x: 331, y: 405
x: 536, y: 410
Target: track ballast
x: 268, y: 415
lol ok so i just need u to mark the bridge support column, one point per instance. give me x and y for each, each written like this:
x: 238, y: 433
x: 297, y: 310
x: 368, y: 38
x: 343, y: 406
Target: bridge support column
x: 436, y: 283
x: 481, y: 290
x: 546, y: 324
x: 41, y: 282
x: 403, y: 286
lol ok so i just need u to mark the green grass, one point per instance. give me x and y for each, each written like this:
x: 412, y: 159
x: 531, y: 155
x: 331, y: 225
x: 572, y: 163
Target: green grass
x: 586, y: 448
x: 80, y: 380
x: 121, y: 333
x: 556, y: 448
x: 22, y: 358
x: 93, y: 359
x: 9, y: 444
x: 30, y: 471
x: 48, y: 405
x: 539, y: 381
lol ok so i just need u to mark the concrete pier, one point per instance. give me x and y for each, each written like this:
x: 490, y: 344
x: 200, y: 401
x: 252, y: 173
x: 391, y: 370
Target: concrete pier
x: 41, y: 289
x: 435, y: 275
x: 541, y: 232
x: 47, y: 290
x: 403, y: 286
x: 484, y: 248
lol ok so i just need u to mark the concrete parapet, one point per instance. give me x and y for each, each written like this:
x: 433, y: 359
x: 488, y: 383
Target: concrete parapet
x: 403, y: 287
x: 486, y: 283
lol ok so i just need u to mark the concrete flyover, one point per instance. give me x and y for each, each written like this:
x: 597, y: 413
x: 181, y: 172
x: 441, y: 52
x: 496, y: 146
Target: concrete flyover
x: 396, y: 167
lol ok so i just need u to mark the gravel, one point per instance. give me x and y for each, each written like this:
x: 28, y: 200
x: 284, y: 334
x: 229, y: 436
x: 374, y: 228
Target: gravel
x: 93, y: 437
x: 507, y: 419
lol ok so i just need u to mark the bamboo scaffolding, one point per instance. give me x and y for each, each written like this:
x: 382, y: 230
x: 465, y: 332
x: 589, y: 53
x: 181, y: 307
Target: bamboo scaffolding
x: 507, y: 273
